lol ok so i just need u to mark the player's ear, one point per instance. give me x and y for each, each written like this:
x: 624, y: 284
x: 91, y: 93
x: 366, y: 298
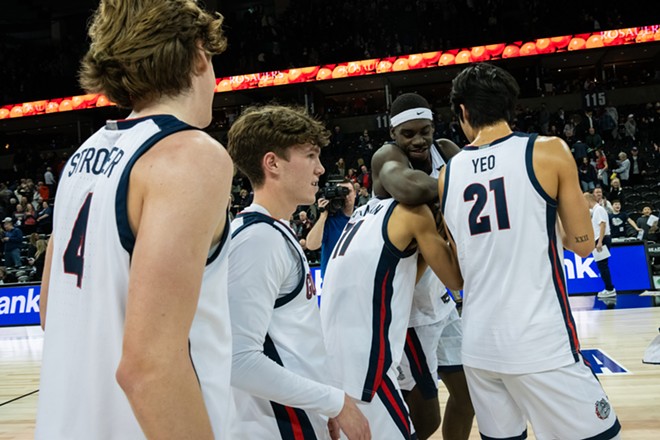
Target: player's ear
x: 392, y: 132
x: 463, y: 115
x: 270, y: 163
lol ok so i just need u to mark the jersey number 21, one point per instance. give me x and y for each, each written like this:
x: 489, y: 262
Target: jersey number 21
x: 479, y: 194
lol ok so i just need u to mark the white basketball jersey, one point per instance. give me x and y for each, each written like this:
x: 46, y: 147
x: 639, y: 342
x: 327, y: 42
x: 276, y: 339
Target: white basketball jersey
x: 79, y: 397
x: 367, y: 296
x: 431, y: 301
x: 516, y: 316
x: 294, y: 339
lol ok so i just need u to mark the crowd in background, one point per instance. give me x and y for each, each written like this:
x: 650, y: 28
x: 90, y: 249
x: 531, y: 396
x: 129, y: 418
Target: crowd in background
x: 320, y: 32
x: 615, y: 147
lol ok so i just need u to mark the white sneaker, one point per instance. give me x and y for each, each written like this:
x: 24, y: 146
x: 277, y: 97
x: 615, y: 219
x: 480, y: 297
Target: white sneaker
x: 607, y: 293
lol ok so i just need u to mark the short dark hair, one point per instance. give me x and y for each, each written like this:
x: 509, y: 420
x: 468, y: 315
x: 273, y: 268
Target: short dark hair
x: 488, y: 92
x: 408, y: 101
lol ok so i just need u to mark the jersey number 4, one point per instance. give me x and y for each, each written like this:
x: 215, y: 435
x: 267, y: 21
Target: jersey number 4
x: 479, y: 194
x: 74, y: 255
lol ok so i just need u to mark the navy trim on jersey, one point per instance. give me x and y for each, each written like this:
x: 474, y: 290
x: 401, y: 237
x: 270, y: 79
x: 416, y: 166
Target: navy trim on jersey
x: 522, y: 436
x: 221, y: 244
x: 252, y: 218
x: 380, y: 357
x: 446, y: 186
x: 168, y: 125
x: 293, y: 423
x: 556, y: 263
x: 529, y: 164
x: 397, y: 410
x: 609, y: 433
x: 424, y: 379
x: 388, y: 243
x: 495, y: 142
x: 193, y: 363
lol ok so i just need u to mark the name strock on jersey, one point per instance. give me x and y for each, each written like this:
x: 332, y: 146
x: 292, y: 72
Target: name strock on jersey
x: 366, y: 300
x: 79, y: 395
x: 516, y: 315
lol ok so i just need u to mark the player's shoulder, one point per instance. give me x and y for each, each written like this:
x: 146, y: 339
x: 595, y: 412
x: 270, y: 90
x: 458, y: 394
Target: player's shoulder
x: 552, y: 149
x: 193, y: 144
x: 389, y: 152
x: 262, y: 239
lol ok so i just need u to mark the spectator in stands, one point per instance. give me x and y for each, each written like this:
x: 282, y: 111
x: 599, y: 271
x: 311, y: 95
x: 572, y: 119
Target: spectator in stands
x: 601, y: 200
x: 29, y: 224
x: 637, y: 167
x: 630, y: 131
x: 38, y: 260
x: 623, y: 168
x: 19, y: 215
x: 363, y: 196
x: 648, y: 224
x: 43, y: 190
x: 593, y: 140
x: 302, y: 225
x: 352, y: 176
x: 366, y: 143
x: 45, y: 219
x: 51, y: 183
x: 616, y: 192
x: 587, y: 174
x: 609, y: 122
x: 579, y: 150
x: 364, y: 179
x: 340, y: 168
x: 602, y: 168
x: 13, y: 241
x: 620, y: 224
x: 244, y: 199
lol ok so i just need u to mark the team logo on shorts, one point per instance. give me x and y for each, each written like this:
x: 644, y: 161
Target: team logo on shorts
x: 311, y: 287
x: 603, y: 409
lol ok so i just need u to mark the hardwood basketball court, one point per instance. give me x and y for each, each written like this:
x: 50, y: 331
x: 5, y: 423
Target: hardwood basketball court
x: 622, y: 335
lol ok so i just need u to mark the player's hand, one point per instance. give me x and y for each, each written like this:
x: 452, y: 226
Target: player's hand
x: 334, y: 429
x: 352, y: 421
x: 599, y: 247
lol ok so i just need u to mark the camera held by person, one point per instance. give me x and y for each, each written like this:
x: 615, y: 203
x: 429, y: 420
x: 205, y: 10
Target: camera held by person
x: 335, y: 193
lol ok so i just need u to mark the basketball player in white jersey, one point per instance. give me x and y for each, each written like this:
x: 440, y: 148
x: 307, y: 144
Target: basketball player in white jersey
x: 407, y: 170
x: 503, y: 197
x: 367, y: 298
x: 134, y: 295
x: 279, y: 360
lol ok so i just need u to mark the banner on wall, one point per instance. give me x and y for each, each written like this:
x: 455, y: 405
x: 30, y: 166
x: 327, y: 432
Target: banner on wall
x: 19, y: 303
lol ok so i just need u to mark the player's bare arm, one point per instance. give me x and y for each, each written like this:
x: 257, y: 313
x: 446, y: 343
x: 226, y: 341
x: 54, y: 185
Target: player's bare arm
x: 315, y: 235
x: 171, y: 247
x: 45, y: 279
x: 393, y: 177
x: 556, y: 171
x: 447, y: 148
x: 417, y: 224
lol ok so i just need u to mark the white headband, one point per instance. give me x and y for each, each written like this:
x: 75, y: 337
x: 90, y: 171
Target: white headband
x: 409, y: 115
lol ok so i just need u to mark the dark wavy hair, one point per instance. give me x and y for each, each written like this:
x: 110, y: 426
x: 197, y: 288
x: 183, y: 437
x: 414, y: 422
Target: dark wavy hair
x: 488, y: 92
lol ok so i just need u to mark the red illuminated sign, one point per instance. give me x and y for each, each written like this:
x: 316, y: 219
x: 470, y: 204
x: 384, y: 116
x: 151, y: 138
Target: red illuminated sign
x: 373, y: 66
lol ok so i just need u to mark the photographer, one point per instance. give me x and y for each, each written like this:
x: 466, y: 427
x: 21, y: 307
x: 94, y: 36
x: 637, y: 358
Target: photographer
x: 335, y: 210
